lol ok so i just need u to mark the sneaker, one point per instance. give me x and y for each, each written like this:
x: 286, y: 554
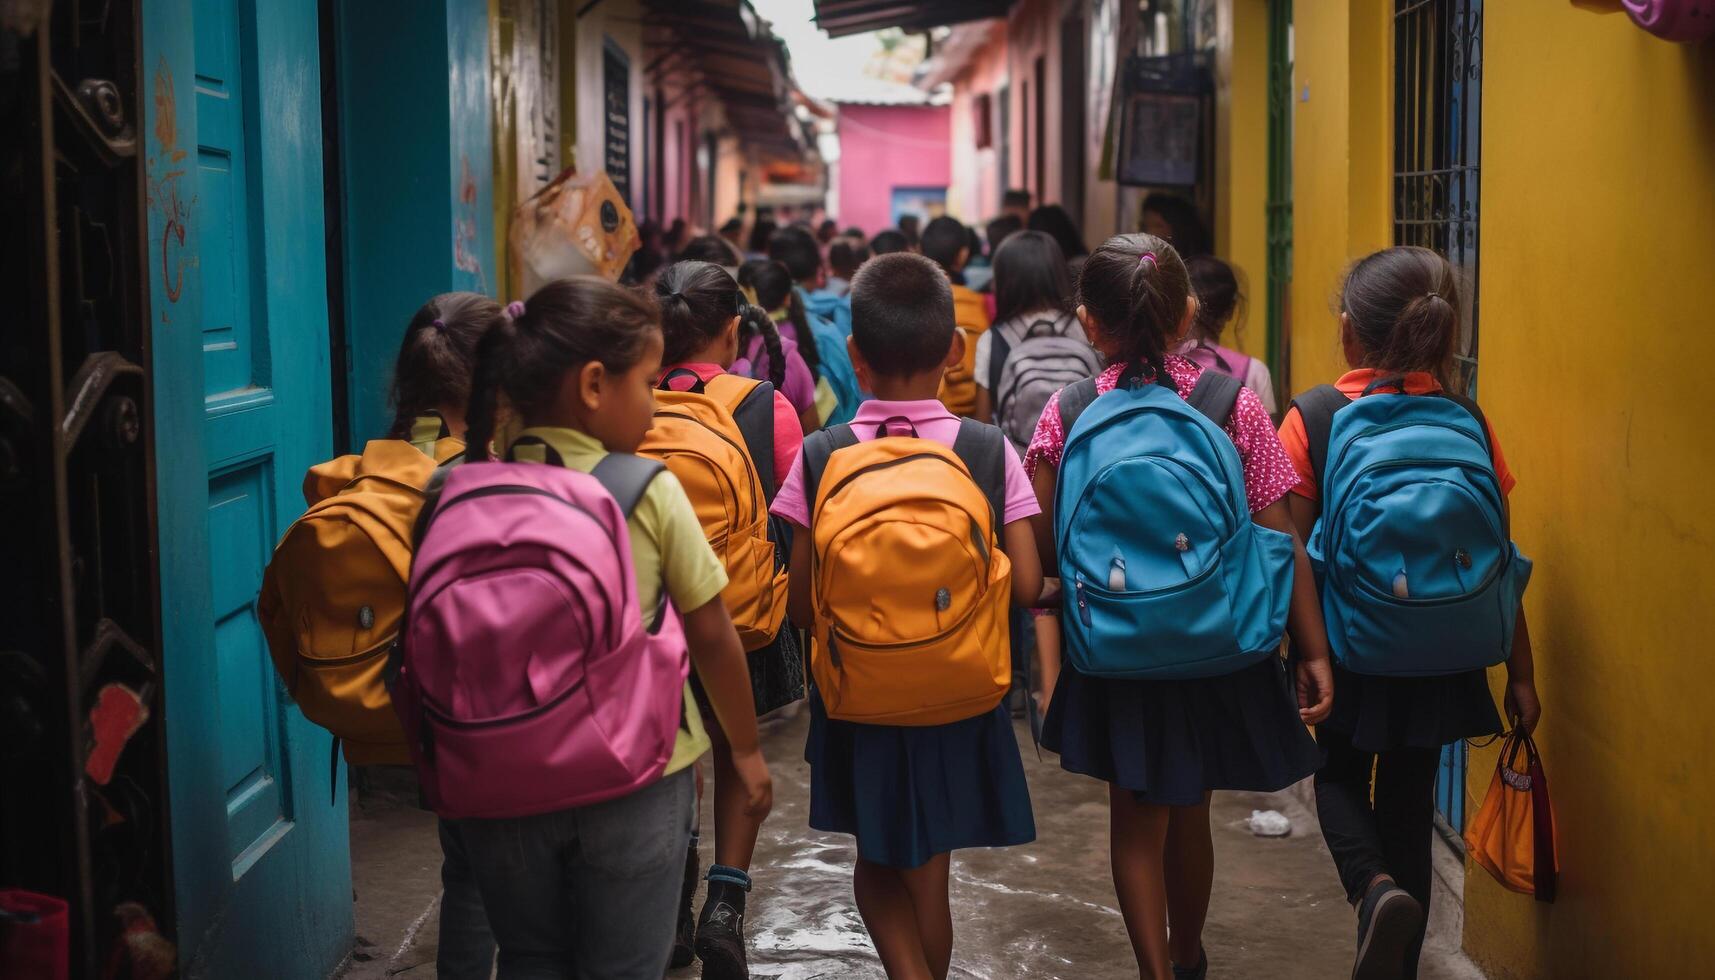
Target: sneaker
x: 685, y: 937
x: 1198, y: 972
x: 1388, y: 923
x: 720, y: 935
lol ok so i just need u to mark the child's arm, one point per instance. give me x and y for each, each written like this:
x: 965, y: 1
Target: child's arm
x: 1304, y: 622
x: 798, y: 601
x: 983, y: 408
x: 1521, y: 701
x: 725, y: 674
x: 1019, y: 543
x: 1043, y: 523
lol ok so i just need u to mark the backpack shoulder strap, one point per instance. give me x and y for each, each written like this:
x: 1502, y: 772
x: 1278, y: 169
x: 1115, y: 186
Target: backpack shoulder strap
x: 999, y: 350
x: 1215, y: 395
x: 1470, y: 405
x: 981, y: 448
x: 819, y: 447
x: 627, y: 477
x: 432, y: 499
x: 1316, y: 409
x: 1074, y: 399
x: 752, y: 407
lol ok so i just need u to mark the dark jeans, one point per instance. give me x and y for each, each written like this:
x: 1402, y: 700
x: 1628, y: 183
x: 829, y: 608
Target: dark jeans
x: 1391, y: 836
x: 590, y: 893
x: 467, y: 944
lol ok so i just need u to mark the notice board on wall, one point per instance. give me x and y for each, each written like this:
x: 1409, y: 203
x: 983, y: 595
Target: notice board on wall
x: 1165, y: 120
x: 616, y: 123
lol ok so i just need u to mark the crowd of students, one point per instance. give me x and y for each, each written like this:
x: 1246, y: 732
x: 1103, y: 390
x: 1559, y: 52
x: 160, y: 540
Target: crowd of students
x: 908, y: 449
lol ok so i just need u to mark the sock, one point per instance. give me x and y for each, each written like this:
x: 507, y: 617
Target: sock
x: 727, y: 885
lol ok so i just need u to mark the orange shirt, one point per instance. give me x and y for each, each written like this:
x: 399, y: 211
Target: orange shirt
x: 1352, y: 385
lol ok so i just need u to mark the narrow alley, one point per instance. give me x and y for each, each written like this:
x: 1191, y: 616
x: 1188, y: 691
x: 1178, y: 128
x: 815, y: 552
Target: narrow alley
x: 1044, y: 910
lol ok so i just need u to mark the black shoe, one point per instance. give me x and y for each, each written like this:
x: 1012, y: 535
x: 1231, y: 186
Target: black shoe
x: 720, y: 934
x: 1197, y: 972
x: 685, y: 937
x: 1388, y: 923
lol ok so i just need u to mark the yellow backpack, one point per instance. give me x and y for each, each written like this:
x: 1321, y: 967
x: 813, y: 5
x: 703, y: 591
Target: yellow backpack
x: 959, y: 383
x: 718, y: 439
x: 911, y: 588
x: 333, y: 595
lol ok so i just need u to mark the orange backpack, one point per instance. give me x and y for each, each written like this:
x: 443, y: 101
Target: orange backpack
x: 959, y: 384
x: 910, y: 586
x: 333, y: 596
x: 718, y: 440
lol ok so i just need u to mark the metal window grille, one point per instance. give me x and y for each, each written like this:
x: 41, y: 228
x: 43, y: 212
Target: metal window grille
x: 1279, y: 206
x: 1438, y: 49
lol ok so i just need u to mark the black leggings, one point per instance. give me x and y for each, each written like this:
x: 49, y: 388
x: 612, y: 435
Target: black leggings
x: 1392, y: 836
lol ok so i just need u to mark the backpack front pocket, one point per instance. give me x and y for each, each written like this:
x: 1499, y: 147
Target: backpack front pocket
x: 1181, y: 631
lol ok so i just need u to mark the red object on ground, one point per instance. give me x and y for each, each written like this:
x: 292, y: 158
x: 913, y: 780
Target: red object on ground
x: 35, y: 935
x: 118, y: 713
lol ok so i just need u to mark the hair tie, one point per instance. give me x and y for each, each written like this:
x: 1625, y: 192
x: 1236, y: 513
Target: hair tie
x: 1431, y: 295
x: 1147, y: 257
x: 437, y: 324
x: 515, y: 309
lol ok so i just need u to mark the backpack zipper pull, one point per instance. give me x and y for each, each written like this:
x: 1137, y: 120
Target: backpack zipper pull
x: 1083, y: 601
x: 1116, y: 572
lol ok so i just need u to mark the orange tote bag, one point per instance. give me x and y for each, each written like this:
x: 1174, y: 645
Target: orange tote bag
x: 1512, y: 834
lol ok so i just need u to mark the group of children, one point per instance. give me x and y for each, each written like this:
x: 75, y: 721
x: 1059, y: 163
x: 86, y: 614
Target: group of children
x: 827, y: 462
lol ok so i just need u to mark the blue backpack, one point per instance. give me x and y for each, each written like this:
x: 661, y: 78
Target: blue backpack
x: 1413, y: 553
x: 1166, y: 575
x: 830, y: 340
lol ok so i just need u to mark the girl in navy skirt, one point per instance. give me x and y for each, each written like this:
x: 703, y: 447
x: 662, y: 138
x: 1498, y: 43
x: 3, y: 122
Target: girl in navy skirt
x: 1163, y: 745
x: 912, y: 794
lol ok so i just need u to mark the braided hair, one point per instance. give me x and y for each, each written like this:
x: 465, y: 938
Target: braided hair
x: 773, y: 287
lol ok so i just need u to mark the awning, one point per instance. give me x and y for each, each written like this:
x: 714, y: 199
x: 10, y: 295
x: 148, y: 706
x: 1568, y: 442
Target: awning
x: 842, y: 17
x: 734, y: 58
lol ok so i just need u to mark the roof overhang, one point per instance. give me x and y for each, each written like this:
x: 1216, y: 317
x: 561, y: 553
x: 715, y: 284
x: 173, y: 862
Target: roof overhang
x: 728, y: 52
x: 842, y: 17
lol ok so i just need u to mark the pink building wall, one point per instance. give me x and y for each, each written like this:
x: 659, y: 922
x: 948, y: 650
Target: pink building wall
x: 887, y: 146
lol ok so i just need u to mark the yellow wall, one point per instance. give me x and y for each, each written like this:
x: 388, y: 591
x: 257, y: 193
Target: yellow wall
x: 1597, y: 291
x: 1598, y: 298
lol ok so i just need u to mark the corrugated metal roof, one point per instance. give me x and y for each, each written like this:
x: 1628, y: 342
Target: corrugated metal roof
x: 842, y: 17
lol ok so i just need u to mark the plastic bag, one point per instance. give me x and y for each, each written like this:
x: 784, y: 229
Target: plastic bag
x: 577, y: 225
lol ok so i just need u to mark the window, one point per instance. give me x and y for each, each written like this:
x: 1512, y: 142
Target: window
x: 982, y: 110
x: 1438, y: 48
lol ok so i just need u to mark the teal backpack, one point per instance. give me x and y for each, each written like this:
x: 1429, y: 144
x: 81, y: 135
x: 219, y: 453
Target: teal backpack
x: 1166, y: 575
x: 1413, y: 551
x: 827, y: 313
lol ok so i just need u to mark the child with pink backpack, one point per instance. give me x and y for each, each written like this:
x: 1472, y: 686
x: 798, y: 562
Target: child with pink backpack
x: 543, y: 668
x: 1217, y: 292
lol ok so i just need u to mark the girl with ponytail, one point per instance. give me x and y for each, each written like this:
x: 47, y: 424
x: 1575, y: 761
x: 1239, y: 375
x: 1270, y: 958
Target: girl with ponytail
x: 1164, y: 745
x: 1399, y: 329
x: 575, y: 370
x: 771, y: 288
x: 707, y: 325
x: 431, y: 377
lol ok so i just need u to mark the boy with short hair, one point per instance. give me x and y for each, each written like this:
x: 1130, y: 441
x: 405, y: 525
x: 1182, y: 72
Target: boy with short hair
x: 948, y: 244
x: 875, y: 780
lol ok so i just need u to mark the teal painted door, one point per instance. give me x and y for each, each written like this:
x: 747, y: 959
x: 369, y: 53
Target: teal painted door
x: 241, y: 408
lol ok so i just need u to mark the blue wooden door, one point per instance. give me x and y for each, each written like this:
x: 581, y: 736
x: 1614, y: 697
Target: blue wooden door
x: 242, y: 407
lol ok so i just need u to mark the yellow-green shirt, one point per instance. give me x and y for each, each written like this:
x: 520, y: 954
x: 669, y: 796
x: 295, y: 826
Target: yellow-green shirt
x: 667, y: 547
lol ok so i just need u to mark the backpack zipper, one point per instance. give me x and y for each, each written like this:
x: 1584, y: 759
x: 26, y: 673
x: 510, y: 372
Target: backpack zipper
x: 1337, y: 507
x: 442, y: 718
x: 1329, y: 466
x: 331, y: 663
x: 1159, y: 459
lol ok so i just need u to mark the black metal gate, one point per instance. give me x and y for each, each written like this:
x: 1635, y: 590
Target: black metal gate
x: 82, y: 812
x: 1437, y: 143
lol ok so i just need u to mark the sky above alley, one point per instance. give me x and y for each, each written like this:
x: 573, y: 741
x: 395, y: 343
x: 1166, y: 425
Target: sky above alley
x: 825, y: 67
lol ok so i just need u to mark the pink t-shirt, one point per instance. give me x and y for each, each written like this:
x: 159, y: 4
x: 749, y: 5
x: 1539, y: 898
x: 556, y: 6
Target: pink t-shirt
x: 799, y: 386
x: 788, y: 433
x: 1269, y: 474
x: 932, y: 421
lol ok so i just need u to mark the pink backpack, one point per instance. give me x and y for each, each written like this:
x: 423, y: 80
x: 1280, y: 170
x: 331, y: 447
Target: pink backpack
x: 1223, y: 360
x: 527, y: 682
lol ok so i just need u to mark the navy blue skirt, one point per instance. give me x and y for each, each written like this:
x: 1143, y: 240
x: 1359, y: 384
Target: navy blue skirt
x: 910, y: 793
x: 1172, y: 741
x: 1383, y: 713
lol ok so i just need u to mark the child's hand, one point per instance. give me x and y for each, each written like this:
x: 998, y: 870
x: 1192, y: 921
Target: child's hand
x: 1521, y: 704
x: 757, y: 783
x: 1315, y: 690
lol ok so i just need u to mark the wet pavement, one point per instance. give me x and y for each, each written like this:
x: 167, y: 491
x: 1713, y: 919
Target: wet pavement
x: 1043, y: 910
